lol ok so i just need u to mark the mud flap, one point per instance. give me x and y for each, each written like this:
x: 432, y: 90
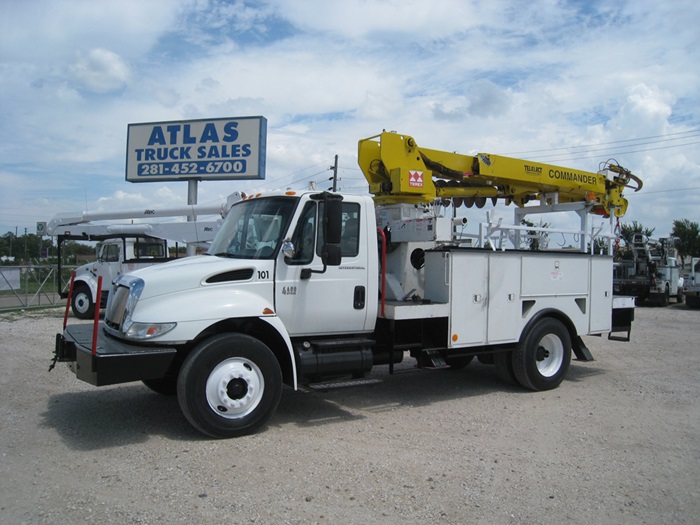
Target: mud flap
x: 581, y: 350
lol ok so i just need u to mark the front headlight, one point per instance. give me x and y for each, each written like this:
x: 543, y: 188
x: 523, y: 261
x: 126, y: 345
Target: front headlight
x: 145, y: 331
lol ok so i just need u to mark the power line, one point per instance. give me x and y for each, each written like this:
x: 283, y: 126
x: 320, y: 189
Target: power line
x: 663, y: 191
x: 545, y: 158
x: 689, y: 134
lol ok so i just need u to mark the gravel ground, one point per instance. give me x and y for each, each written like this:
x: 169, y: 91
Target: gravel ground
x: 617, y: 442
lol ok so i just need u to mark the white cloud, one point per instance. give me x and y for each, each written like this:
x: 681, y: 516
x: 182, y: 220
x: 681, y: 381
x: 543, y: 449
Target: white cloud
x: 457, y: 75
x: 101, y: 71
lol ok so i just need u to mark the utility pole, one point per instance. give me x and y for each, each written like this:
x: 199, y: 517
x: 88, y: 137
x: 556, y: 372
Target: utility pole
x: 335, y: 174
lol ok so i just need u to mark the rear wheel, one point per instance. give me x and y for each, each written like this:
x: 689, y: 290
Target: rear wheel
x: 82, y: 304
x: 229, y: 385
x: 543, y: 355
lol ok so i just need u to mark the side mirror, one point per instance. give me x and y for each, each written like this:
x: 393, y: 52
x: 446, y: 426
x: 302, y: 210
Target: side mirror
x: 333, y: 219
x: 288, y: 249
x: 331, y: 255
x: 333, y: 225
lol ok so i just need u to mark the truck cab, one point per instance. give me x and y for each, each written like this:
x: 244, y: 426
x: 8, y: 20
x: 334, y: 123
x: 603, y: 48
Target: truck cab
x: 114, y: 257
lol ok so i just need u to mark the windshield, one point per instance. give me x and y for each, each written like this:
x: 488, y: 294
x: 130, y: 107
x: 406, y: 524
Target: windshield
x: 253, y: 228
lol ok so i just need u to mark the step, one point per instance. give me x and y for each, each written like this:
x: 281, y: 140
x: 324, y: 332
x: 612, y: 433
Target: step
x: 344, y: 383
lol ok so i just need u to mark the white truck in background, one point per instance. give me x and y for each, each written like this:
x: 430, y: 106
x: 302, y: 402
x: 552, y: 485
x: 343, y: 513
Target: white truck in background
x: 115, y: 256
x: 301, y: 288
x: 691, y: 284
x: 125, y: 247
x: 653, y: 274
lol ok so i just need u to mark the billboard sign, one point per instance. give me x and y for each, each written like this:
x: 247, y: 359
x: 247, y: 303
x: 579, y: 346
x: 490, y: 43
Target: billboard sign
x: 205, y: 149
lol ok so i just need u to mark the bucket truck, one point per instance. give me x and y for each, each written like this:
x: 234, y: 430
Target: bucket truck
x: 125, y: 247
x: 305, y: 288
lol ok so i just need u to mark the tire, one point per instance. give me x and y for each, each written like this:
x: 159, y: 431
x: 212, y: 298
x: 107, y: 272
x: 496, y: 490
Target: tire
x: 81, y: 302
x: 542, y: 357
x: 166, y: 386
x: 229, y: 385
x: 503, y: 362
x: 665, y: 297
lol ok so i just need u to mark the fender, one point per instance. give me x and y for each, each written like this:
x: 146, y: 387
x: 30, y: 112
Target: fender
x: 277, y: 325
x: 196, y: 311
x: 91, y: 283
x: 556, y: 314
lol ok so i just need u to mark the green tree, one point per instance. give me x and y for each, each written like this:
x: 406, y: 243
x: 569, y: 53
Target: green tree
x: 687, y: 238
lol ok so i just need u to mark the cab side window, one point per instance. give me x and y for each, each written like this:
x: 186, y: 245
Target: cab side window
x: 350, y: 239
x: 111, y: 254
x: 350, y: 236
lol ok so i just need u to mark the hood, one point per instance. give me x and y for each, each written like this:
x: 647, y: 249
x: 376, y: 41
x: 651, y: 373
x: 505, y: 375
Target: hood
x: 192, y: 272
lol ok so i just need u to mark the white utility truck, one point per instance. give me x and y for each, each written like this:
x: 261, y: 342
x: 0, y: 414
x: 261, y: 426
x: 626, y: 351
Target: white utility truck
x: 691, y: 284
x: 126, y: 247
x: 652, y: 274
x: 302, y: 288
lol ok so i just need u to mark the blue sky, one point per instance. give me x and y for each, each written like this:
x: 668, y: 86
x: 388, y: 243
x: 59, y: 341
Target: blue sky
x: 569, y: 82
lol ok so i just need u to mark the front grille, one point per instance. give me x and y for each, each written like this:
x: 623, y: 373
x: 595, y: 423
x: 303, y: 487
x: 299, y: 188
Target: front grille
x: 114, y: 315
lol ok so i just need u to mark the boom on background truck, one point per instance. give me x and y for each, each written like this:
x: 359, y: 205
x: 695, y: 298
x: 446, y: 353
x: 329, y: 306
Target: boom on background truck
x: 303, y: 287
x: 126, y: 247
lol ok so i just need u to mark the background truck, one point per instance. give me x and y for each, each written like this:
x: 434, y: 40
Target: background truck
x: 691, y: 284
x: 125, y: 247
x: 115, y: 256
x: 652, y: 274
x: 307, y: 288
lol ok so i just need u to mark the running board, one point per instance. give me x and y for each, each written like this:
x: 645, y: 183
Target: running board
x: 346, y: 383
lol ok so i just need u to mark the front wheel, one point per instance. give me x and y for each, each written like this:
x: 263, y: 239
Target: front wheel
x: 82, y: 304
x: 229, y: 385
x: 542, y: 357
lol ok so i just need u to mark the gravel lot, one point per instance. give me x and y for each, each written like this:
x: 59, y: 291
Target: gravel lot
x: 617, y: 442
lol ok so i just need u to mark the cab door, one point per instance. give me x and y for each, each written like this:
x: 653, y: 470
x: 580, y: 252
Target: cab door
x: 333, y: 301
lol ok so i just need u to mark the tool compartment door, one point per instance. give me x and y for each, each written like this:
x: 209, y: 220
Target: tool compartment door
x: 504, y: 319
x: 468, y: 283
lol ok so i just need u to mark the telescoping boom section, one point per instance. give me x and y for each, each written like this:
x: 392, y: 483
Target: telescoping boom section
x: 399, y: 171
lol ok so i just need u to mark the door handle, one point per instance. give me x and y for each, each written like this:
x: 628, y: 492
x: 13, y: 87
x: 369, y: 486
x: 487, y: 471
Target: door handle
x: 359, y: 298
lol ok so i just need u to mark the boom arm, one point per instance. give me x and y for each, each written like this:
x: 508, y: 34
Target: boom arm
x: 398, y: 171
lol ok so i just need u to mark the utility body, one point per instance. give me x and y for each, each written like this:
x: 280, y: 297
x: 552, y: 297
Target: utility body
x: 653, y: 273
x: 302, y: 288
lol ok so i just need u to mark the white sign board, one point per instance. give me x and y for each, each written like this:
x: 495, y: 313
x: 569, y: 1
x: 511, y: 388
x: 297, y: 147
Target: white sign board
x: 208, y: 149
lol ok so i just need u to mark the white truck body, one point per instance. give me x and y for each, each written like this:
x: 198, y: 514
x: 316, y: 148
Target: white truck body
x: 653, y: 274
x: 691, y: 284
x: 296, y: 289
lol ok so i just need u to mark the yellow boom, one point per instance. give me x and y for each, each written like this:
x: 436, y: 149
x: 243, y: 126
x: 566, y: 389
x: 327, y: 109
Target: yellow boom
x: 398, y: 171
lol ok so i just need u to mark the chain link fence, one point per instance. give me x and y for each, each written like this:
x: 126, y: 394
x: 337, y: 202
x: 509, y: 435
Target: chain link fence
x: 32, y: 286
